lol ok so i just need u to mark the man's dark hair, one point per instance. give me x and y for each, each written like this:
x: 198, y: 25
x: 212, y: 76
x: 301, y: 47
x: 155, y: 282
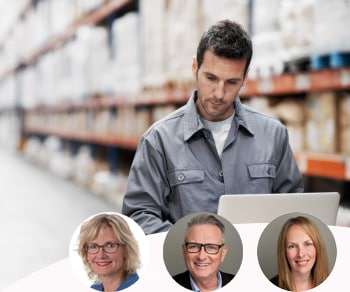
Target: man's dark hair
x: 226, y: 39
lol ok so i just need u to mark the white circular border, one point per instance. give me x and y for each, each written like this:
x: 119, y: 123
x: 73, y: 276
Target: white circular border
x: 77, y: 262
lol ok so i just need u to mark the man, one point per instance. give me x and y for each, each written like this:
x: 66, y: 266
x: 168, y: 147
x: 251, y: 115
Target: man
x: 204, y: 250
x: 211, y: 146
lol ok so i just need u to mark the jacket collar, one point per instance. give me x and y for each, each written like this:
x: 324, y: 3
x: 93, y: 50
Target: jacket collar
x: 192, y: 124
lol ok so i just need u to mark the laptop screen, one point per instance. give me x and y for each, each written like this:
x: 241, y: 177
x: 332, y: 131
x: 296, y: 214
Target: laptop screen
x: 263, y: 208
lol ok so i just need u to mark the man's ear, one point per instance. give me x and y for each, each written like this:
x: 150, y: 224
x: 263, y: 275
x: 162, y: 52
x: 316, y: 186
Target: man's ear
x: 246, y: 75
x: 223, y: 253
x: 184, y: 251
x: 194, y: 67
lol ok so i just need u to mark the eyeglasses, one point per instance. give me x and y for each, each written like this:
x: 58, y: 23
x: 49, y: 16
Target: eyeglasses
x: 109, y: 247
x: 209, y: 248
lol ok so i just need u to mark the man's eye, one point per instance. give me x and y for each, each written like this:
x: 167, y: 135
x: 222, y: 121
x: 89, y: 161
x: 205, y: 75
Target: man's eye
x: 211, y: 248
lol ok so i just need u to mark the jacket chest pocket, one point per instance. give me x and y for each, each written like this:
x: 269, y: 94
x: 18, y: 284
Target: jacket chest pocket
x: 188, y: 192
x: 262, y: 170
x: 180, y: 177
x: 261, y: 176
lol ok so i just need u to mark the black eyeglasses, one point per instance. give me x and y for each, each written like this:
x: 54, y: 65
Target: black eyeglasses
x: 109, y: 247
x: 209, y: 248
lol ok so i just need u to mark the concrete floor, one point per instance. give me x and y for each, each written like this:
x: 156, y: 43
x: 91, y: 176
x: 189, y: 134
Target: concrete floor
x: 38, y: 213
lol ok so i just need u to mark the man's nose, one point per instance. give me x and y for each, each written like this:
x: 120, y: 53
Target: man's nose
x: 202, y: 253
x: 219, y: 90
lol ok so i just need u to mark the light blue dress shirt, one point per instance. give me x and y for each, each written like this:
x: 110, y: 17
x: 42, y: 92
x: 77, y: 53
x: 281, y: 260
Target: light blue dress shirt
x: 195, y: 287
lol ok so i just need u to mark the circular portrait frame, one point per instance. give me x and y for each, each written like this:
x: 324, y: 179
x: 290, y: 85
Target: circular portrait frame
x: 77, y: 262
x: 172, y: 247
x: 267, y: 245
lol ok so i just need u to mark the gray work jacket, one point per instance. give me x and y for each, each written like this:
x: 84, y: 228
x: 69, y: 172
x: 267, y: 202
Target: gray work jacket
x: 177, y: 170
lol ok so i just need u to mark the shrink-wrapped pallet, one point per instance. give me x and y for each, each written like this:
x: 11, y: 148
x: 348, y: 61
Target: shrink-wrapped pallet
x: 321, y: 125
x: 213, y: 10
x: 184, y: 28
x: 125, y: 64
x: 152, y: 42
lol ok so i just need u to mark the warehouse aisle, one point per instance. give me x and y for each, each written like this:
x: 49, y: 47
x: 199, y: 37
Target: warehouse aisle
x: 38, y: 213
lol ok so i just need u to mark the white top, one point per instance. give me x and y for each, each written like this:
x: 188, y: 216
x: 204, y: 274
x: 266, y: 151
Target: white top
x: 219, y: 131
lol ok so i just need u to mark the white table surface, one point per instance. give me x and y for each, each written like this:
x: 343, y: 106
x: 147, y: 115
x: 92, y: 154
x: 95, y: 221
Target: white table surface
x: 61, y: 277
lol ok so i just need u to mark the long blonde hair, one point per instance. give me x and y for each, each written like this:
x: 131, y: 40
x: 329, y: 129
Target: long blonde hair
x: 89, y: 231
x: 320, y: 270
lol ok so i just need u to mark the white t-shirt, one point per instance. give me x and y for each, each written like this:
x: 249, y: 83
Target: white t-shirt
x: 219, y: 131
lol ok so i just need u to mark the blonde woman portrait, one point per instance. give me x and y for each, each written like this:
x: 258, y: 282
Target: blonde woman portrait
x: 302, y: 256
x: 110, y: 252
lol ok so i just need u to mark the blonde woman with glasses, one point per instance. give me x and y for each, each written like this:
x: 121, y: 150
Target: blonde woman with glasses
x: 109, y: 252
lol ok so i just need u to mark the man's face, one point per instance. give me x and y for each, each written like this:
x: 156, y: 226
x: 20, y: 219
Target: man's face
x: 218, y: 82
x: 203, y: 266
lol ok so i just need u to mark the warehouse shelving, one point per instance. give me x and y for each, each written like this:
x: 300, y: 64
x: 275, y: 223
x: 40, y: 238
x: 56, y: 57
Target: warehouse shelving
x: 322, y: 165
x: 288, y: 83
x: 21, y: 13
x: 56, y: 41
x: 336, y: 79
x: 86, y: 137
x: 294, y: 83
x: 91, y: 18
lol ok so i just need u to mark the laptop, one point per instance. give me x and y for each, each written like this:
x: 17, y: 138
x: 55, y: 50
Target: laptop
x: 263, y: 208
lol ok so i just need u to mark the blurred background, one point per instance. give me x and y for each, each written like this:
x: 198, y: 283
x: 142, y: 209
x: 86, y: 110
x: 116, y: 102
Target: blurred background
x: 81, y: 80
